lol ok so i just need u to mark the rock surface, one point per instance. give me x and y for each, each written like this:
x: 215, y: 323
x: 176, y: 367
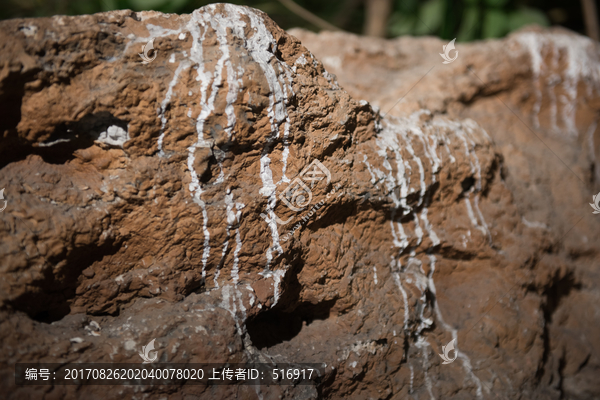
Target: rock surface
x: 230, y: 199
x: 537, y: 94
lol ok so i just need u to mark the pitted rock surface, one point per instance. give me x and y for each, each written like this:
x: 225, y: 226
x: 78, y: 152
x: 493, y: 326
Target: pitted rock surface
x: 155, y: 201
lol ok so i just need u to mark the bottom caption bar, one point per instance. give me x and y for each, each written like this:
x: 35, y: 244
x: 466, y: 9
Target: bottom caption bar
x: 167, y: 374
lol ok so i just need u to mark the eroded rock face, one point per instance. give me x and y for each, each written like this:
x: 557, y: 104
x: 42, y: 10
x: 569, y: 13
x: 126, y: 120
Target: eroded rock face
x: 157, y: 201
x: 537, y: 94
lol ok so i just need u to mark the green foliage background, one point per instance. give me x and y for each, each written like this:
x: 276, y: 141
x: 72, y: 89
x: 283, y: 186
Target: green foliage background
x: 464, y: 19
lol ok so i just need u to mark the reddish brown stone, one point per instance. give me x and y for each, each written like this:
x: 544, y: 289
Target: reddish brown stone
x: 135, y: 193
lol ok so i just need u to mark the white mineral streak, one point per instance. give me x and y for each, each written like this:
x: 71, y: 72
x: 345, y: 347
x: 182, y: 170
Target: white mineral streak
x: 434, y: 238
x: 417, y: 160
x: 242, y: 308
x: 418, y: 230
x: 462, y: 135
x: 411, y: 126
x: 466, y: 362
x: 257, y: 390
x: 29, y: 30
x: 404, y: 297
x: 229, y: 295
x: 221, y: 24
x: 259, y: 46
x: 420, y: 281
x: 534, y: 224
x: 238, y: 244
x: 374, y: 180
x: 388, y: 140
x: 430, y: 151
x: 389, y: 143
x: 330, y: 78
x: 534, y: 47
x: 207, y: 104
x: 55, y: 142
x: 465, y: 131
x: 582, y: 65
x: 276, y: 275
x: 470, y: 126
x: 396, y: 135
x: 114, y: 136
x: 155, y: 32
x: 484, y: 227
x: 230, y: 220
x: 163, y: 106
x: 268, y: 189
x: 553, y: 80
x: 158, y: 31
x: 250, y: 291
x: 197, y: 19
x: 422, y: 344
x: 286, y: 74
x: 450, y: 156
x: 470, y: 212
x: 375, y: 275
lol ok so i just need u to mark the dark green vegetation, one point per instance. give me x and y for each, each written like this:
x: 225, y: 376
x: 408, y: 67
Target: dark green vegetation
x: 463, y: 19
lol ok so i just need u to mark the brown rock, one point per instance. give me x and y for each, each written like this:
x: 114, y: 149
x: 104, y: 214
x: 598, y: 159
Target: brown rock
x: 537, y: 95
x: 147, y: 199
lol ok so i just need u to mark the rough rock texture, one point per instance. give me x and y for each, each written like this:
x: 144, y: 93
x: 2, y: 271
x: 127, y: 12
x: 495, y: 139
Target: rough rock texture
x: 146, y: 200
x: 537, y: 94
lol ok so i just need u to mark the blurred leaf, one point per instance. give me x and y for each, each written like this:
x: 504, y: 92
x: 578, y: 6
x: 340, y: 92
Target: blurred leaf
x: 401, y: 24
x: 495, y: 24
x: 271, y: 7
x: 430, y: 16
x: 175, y: 5
x: 464, y: 19
x: 469, y: 24
x: 407, y: 6
x: 526, y: 16
x: 147, y: 4
x: 167, y: 6
x: 496, y: 3
x: 106, y: 5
